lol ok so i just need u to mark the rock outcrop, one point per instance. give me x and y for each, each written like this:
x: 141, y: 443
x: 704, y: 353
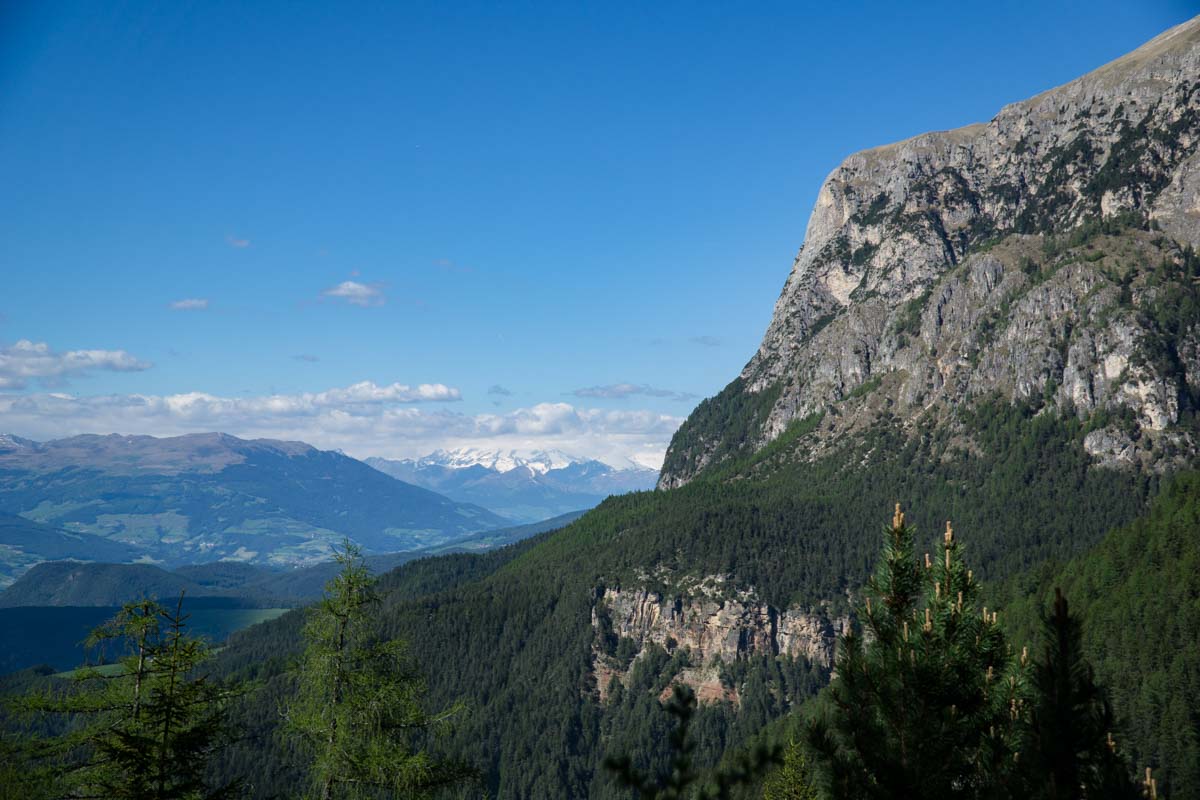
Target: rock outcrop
x: 714, y: 629
x: 1013, y: 258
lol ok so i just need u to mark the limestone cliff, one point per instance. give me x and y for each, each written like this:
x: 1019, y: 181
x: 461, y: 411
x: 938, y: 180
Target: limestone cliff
x: 712, y: 627
x: 1021, y: 258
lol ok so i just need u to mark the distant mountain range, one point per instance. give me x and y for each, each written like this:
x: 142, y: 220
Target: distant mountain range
x: 523, y: 486
x: 207, y: 497
x: 540, y: 461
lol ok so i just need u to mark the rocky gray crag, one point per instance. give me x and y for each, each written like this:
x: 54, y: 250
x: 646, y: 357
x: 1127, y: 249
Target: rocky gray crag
x: 1039, y: 257
x: 714, y: 628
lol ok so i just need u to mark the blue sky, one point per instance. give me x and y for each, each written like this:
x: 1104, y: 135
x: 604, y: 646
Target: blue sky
x: 568, y: 221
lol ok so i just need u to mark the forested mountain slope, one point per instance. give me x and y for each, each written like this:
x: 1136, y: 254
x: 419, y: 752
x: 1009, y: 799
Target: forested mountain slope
x: 533, y: 644
x: 74, y: 583
x: 1138, y: 592
x: 24, y: 542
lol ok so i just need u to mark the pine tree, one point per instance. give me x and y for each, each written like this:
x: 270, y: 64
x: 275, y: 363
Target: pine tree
x: 358, y: 706
x: 792, y: 780
x: 143, y: 729
x: 1070, y: 751
x: 927, y: 698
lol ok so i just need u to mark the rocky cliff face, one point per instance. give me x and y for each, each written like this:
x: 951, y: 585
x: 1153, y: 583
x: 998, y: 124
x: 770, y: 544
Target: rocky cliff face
x: 1030, y: 257
x: 713, y: 628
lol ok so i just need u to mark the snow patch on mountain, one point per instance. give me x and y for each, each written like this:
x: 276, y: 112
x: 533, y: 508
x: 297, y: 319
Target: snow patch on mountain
x: 10, y: 441
x: 538, y: 461
x: 522, y: 485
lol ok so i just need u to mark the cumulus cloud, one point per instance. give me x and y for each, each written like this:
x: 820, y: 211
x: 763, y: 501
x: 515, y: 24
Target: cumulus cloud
x: 620, y: 391
x: 362, y: 420
x: 190, y: 304
x: 25, y: 361
x: 497, y: 389
x: 356, y: 294
x: 360, y: 398
x: 369, y: 392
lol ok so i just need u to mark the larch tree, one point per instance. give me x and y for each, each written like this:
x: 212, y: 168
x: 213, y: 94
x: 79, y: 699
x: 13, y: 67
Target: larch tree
x: 141, y: 729
x: 359, y: 705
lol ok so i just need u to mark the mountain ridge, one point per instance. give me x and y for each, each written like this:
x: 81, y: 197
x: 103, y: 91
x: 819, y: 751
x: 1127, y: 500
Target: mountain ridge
x: 25, y: 543
x: 191, y: 452
x: 207, y: 497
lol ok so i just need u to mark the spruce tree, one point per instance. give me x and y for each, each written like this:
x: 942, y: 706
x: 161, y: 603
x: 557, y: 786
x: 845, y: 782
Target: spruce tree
x: 1070, y: 752
x: 358, y: 710
x: 927, y: 697
x: 142, y: 729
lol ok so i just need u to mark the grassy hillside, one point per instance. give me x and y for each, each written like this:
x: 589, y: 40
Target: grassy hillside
x: 24, y: 542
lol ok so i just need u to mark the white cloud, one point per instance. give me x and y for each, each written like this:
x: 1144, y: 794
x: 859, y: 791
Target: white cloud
x: 368, y: 392
x: 356, y: 294
x: 190, y: 304
x: 26, y: 360
x: 363, y: 420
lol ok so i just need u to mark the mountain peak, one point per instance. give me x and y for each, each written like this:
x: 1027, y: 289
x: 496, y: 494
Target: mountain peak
x: 524, y: 485
x: 1010, y: 259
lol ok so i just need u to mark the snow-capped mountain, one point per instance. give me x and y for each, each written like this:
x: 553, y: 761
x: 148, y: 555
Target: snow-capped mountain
x: 9, y: 442
x: 540, y: 461
x: 525, y: 486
